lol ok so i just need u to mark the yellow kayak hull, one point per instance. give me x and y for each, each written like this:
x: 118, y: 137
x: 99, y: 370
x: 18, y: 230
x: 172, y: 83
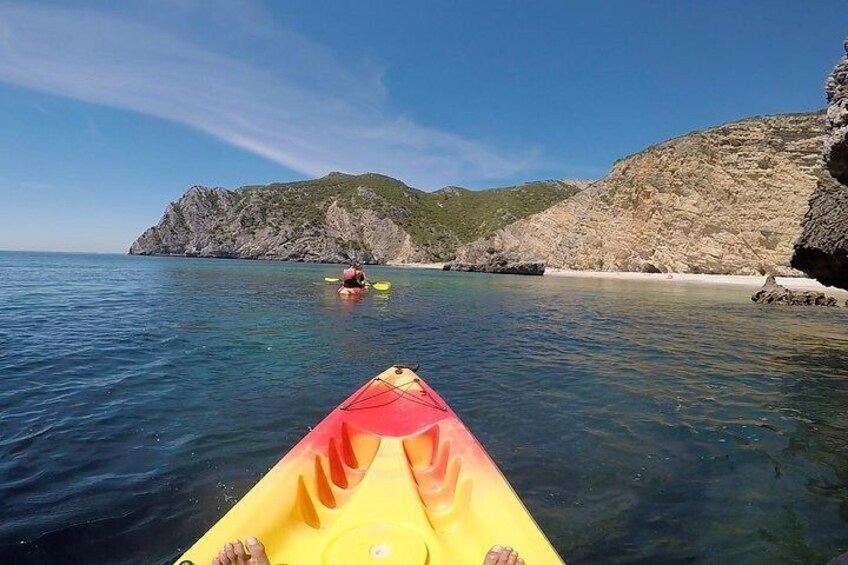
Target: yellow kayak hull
x: 391, y: 476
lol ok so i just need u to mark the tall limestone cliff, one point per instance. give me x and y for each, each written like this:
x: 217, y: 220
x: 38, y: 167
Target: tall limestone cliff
x: 727, y: 200
x: 372, y: 217
x: 822, y: 249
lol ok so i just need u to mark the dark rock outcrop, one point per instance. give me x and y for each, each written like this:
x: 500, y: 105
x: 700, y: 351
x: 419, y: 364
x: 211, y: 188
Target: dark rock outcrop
x: 836, y: 145
x: 500, y: 264
x: 822, y: 249
x: 773, y: 293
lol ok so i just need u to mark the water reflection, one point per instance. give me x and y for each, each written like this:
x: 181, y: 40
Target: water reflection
x: 640, y: 422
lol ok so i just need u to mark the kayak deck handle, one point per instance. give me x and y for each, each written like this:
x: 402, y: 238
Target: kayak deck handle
x: 391, y: 391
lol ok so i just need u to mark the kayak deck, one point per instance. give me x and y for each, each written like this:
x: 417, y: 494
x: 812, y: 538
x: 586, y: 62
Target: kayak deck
x: 391, y: 476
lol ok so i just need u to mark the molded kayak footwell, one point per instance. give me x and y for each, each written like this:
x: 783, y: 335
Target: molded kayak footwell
x: 391, y: 476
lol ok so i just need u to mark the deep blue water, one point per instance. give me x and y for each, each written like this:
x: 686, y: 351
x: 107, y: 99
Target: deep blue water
x: 640, y: 422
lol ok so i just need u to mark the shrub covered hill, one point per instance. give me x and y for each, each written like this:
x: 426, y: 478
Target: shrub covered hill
x: 727, y: 200
x: 372, y: 217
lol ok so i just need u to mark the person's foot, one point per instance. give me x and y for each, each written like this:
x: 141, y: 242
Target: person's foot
x: 234, y: 553
x: 502, y: 556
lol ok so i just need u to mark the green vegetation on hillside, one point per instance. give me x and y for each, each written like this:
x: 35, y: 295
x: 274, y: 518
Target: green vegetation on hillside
x: 437, y: 221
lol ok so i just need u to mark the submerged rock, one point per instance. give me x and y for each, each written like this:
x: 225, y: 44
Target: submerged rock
x: 773, y: 293
x: 841, y: 560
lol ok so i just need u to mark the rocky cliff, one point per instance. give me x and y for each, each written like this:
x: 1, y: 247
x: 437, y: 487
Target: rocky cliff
x: 372, y: 217
x: 727, y: 200
x: 822, y: 249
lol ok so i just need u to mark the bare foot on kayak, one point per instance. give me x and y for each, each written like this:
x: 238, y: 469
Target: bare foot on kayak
x: 502, y: 556
x: 234, y: 554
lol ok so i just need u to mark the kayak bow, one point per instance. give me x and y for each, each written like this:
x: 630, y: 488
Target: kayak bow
x: 391, y: 476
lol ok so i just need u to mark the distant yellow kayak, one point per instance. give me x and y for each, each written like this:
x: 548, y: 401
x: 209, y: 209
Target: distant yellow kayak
x: 391, y: 476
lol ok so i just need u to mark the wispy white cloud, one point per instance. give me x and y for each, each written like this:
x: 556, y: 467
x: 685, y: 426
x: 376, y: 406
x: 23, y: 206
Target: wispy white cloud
x: 291, y: 101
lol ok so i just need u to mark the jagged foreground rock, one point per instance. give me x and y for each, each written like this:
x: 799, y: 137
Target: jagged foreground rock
x: 773, y: 293
x: 728, y: 200
x: 836, y: 144
x: 822, y: 249
x: 371, y: 217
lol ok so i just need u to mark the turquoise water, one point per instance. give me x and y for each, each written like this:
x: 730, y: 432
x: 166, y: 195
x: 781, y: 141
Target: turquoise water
x: 639, y: 422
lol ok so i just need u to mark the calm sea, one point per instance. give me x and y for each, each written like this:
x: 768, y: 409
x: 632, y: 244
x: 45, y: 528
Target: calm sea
x: 640, y: 422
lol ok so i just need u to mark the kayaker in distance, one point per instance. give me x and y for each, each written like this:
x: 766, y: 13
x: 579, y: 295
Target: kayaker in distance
x: 354, y: 276
x: 235, y: 554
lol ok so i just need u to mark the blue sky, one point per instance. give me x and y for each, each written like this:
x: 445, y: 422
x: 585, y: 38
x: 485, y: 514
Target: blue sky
x: 110, y: 110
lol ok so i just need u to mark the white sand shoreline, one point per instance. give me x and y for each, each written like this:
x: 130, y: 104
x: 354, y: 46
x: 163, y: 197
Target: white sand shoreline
x: 751, y: 281
x: 436, y: 266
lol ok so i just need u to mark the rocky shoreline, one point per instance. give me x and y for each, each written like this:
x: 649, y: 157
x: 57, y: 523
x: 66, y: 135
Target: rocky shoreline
x: 773, y: 293
x: 728, y: 200
x: 499, y: 264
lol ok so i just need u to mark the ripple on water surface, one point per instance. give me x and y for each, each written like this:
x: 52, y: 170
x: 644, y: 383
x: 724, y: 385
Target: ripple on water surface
x: 640, y: 422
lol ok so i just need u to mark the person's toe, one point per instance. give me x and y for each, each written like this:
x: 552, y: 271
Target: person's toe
x: 222, y: 557
x: 257, y: 552
x: 492, y: 556
x: 216, y: 561
x: 230, y: 550
x: 503, y: 558
x: 519, y: 562
x: 512, y: 557
x: 241, y: 554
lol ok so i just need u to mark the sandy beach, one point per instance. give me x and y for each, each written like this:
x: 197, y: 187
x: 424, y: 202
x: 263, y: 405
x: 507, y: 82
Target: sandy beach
x: 752, y: 281
x: 436, y: 266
